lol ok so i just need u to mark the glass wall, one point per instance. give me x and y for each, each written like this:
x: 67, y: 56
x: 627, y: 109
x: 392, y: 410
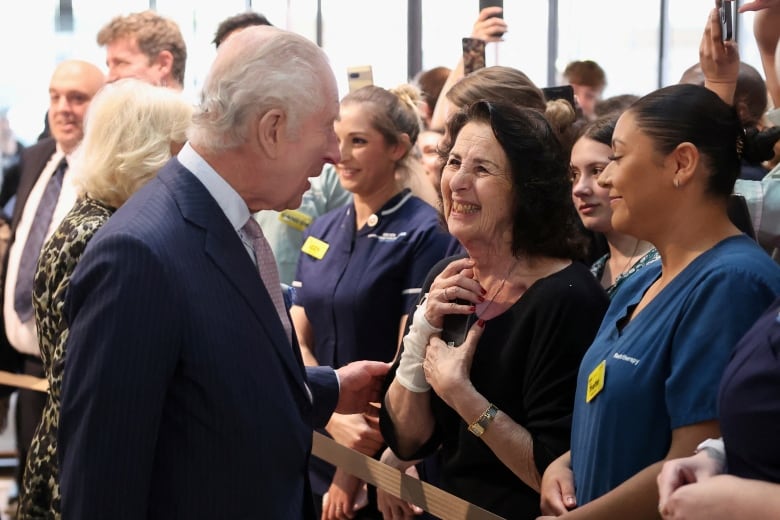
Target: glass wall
x: 366, y: 32
x: 624, y: 37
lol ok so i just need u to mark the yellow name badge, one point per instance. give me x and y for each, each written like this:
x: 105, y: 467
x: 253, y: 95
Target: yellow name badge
x: 295, y: 219
x: 596, y: 381
x: 315, y: 247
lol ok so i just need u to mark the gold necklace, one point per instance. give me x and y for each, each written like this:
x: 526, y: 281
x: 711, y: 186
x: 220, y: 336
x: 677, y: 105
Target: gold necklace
x: 500, y: 288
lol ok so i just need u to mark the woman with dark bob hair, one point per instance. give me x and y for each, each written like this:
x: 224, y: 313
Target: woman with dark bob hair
x: 647, y: 387
x: 498, y: 405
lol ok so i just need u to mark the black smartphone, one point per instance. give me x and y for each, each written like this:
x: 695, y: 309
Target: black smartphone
x: 493, y: 3
x: 726, y: 11
x: 473, y: 55
x: 559, y: 92
x: 456, y: 326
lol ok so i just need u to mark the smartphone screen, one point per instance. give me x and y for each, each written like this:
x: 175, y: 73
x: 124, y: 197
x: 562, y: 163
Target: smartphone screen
x: 359, y: 77
x: 473, y: 55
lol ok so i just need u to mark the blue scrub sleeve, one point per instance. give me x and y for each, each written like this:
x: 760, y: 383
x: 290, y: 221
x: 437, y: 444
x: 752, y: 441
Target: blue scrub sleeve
x: 705, y: 336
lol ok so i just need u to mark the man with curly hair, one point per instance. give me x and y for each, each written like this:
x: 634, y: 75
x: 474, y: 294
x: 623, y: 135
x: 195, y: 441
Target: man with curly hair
x: 146, y: 46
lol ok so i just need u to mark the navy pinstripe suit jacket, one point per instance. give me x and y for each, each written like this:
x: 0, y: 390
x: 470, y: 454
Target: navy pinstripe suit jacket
x: 181, y: 397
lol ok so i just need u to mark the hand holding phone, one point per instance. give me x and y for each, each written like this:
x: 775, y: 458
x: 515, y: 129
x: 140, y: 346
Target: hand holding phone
x: 456, y: 327
x: 483, y: 4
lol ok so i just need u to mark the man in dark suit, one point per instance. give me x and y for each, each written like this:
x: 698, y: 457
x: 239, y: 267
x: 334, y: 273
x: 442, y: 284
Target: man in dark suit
x: 184, y: 394
x: 44, y: 196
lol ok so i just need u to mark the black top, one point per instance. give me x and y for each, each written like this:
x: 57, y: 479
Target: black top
x: 526, y: 364
x: 749, y: 401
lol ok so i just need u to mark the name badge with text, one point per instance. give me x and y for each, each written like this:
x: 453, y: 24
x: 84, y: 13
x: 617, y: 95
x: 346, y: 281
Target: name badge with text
x: 315, y: 247
x: 596, y: 381
x: 295, y: 219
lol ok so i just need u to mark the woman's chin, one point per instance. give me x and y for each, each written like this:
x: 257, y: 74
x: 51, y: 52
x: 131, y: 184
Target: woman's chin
x: 464, y: 234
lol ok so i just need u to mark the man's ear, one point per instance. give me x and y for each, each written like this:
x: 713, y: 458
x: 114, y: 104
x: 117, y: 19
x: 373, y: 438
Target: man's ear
x: 164, y: 63
x: 686, y: 159
x: 271, y: 128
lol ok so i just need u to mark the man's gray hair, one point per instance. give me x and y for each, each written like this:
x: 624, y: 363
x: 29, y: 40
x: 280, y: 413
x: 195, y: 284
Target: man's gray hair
x: 256, y: 70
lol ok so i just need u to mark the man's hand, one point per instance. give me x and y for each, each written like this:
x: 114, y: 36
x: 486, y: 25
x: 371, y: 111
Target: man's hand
x: 357, y: 431
x: 360, y: 383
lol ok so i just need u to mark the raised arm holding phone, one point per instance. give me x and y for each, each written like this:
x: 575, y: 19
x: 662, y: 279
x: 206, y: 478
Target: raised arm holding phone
x: 489, y: 27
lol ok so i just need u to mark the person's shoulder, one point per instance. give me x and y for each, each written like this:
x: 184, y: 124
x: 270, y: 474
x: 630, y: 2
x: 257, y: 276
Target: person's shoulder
x: 742, y: 257
x: 572, y: 285
x: 576, y: 275
x: 420, y: 214
x: 419, y: 204
x: 88, y: 213
x: 47, y: 145
x: 734, y: 273
x: 33, y: 158
x: 328, y: 219
x: 148, y: 211
x: 77, y: 228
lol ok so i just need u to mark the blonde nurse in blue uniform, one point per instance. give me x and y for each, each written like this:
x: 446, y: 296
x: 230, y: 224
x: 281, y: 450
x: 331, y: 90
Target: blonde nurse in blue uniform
x: 362, y: 266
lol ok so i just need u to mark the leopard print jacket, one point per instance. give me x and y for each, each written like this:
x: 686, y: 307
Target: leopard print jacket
x: 40, y: 495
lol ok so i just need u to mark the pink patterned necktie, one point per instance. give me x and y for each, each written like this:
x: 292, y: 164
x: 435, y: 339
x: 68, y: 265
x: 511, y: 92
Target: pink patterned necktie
x: 266, y: 265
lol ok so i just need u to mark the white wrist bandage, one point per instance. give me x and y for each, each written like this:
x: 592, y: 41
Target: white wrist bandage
x: 410, y: 372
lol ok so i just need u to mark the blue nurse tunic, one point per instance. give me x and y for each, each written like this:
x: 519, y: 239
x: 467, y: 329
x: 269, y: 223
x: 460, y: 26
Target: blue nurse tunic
x: 368, y: 278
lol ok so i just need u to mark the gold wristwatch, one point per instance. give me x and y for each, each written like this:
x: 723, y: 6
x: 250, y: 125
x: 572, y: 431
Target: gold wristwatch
x: 479, y: 426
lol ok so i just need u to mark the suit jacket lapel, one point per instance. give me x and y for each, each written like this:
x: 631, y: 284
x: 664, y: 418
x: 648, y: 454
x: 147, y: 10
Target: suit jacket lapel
x: 226, y: 250
x: 33, y: 162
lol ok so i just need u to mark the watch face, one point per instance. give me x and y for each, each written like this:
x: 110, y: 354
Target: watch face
x: 478, y: 427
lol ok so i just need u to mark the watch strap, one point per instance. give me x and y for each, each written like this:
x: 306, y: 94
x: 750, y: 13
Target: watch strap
x: 479, y: 426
